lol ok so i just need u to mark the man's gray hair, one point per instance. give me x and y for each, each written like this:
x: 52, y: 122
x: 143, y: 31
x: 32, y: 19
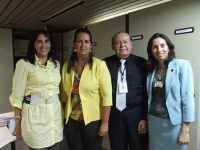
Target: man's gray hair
x: 112, y: 40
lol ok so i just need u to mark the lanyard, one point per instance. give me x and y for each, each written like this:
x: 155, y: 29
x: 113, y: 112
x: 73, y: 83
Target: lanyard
x: 122, y: 72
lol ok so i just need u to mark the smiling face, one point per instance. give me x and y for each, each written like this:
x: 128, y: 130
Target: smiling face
x: 82, y: 44
x: 42, y: 46
x: 160, y: 49
x: 122, y: 45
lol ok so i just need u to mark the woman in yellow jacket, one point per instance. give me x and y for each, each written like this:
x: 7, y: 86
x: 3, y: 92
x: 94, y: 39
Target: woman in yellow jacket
x: 86, y: 91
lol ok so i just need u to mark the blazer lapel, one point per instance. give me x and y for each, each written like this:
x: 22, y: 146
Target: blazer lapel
x: 85, y: 71
x: 70, y: 82
x: 149, y: 85
x: 169, y: 76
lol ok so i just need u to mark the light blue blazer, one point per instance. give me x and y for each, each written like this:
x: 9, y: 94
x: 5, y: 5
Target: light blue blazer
x: 179, y: 89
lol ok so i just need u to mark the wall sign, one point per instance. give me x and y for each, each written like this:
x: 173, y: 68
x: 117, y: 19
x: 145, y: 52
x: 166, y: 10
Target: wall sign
x: 66, y: 48
x: 136, y: 37
x: 184, y: 30
x: 94, y: 43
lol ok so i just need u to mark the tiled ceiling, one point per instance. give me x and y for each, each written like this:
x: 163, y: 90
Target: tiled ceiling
x: 28, y: 14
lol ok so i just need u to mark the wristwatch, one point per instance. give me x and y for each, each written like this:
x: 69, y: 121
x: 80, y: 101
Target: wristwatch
x: 17, y: 117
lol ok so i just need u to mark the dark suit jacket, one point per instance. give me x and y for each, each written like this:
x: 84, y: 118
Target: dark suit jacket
x: 136, y: 80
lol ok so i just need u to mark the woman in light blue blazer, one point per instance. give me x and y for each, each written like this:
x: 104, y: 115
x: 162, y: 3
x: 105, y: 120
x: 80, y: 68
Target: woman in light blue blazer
x: 170, y: 87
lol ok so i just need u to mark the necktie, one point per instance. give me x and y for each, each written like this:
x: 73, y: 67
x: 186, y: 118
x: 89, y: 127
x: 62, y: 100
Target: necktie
x: 121, y: 97
x: 122, y: 62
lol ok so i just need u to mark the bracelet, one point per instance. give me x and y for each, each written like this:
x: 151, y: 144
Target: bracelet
x: 17, y: 117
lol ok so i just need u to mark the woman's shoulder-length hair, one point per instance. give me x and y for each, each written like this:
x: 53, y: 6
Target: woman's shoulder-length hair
x: 152, y: 62
x: 30, y: 56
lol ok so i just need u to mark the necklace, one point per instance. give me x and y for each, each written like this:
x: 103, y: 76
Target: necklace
x: 76, y: 79
x: 79, y: 68
x: 161, y: 72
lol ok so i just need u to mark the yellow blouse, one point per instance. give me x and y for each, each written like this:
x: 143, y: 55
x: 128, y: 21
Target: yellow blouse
x: 42, y: 125
x: 95, y: 90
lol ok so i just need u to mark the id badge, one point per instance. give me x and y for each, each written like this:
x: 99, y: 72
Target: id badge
x: 123, y: 87
x: 159, y: 84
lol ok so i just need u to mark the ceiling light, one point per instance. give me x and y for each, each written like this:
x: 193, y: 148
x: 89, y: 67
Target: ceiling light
x: 76, y: 4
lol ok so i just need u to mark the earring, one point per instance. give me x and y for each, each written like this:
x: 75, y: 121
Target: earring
x: 74, y: 50
x: 90, y: 51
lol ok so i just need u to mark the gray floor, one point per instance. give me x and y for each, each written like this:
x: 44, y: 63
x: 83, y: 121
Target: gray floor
x: 21, y: 145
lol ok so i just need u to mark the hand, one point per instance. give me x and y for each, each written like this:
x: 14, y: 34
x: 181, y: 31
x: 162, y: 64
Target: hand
x: 142, y: 127
x: 17, y: 130
x: 103, y: 129
x: 183, y: 138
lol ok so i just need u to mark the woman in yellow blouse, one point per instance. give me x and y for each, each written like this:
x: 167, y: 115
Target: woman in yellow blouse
x: 86, y: 91
x: 38, y: 111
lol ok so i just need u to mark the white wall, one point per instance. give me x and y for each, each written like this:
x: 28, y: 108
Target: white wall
x: 165, y: 18
x: 102, y: 33
x: 6, y: 65
x: 68, y: 38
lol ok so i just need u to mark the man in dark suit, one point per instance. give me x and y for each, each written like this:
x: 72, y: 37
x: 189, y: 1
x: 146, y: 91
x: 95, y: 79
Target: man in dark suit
x: 128, y: 118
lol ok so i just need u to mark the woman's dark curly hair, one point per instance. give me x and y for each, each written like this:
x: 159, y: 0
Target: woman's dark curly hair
x: 74, y: 57
x: 30, y: 56
x: 152, y: 61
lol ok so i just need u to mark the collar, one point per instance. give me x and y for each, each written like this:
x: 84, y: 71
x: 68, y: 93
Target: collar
x: 39, y: 63
x: 127, y: 59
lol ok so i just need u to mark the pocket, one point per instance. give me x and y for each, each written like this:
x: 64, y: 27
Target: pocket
x: 34, y: 116
x: 39, y: 114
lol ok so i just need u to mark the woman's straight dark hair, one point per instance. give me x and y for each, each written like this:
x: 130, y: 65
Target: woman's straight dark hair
x: 73, y: 57
x: 30, y: 56
x: 152, y: 61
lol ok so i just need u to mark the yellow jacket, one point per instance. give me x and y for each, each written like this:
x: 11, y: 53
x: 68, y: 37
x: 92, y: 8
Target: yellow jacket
x: 94, y: 88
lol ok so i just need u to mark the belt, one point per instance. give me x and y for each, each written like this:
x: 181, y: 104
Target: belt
x: 35, y: 100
